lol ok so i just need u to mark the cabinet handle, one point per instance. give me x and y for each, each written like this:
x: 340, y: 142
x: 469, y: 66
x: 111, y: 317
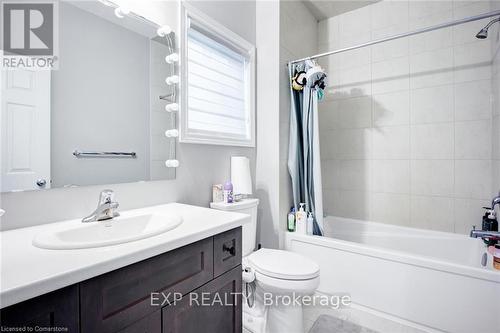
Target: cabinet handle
x: 231, y: 250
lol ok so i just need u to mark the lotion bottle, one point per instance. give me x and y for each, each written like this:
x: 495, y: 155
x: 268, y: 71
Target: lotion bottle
x: 310, y: 223
x: 301, y: 220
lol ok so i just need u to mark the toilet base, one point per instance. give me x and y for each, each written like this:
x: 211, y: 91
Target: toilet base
x: 276, y: 318
x: 285, y: 319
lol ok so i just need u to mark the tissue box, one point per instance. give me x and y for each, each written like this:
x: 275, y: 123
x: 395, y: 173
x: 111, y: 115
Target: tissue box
x: 217, y: 193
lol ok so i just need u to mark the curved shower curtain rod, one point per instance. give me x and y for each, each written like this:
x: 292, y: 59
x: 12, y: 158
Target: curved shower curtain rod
x: 406, y: 34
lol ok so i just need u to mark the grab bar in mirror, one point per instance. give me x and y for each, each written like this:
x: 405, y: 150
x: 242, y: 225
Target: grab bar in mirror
x: 78, y: 153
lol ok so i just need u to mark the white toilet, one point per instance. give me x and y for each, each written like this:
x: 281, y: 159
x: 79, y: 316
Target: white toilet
x: 277, y: 273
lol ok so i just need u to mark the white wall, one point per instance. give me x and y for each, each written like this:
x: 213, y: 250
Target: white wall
x: 108, y: 112
x: 267, y: 166
x: 406, y: 128
x: 200, y: 165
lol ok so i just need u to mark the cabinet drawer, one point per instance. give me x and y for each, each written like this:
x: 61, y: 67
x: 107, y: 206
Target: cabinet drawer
x: 58, y: 309
x: 227, y: 251
x: 214, y: 307
x: 117, y: 299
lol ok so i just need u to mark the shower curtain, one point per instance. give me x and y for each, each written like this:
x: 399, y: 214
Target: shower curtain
x: 304, y: 164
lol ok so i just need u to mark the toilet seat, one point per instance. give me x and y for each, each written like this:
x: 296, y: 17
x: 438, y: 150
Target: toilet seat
x: 283, y: 265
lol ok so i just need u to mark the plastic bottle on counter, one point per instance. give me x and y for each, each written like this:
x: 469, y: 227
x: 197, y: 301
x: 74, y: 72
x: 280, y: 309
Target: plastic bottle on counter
x: 310, y: 224
x: 301, y: 220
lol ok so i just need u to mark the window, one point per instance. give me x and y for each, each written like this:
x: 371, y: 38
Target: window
x: 217, y: 83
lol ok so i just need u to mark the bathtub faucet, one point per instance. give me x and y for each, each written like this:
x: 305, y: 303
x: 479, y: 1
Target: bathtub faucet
x: 495, y: 201
x: 490, y: 235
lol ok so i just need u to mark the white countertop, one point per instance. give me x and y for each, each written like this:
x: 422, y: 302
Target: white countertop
x: 27, y: 271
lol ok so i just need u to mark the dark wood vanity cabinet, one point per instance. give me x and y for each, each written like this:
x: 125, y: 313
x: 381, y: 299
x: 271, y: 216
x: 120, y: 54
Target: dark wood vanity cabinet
x: 190, y: 284
x: 58, y: 309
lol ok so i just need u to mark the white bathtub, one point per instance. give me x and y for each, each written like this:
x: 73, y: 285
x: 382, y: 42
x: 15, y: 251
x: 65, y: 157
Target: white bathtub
x: 431, y: 279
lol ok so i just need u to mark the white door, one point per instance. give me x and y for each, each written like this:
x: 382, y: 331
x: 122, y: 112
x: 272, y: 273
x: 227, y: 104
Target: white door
x: 25, y: 130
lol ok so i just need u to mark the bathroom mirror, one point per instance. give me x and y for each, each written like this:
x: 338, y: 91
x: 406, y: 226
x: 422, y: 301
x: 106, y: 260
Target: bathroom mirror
x: 99, y: 118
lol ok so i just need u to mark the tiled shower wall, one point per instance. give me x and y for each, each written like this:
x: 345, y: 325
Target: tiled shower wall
x: 495, y: 5
x: 406, y: 126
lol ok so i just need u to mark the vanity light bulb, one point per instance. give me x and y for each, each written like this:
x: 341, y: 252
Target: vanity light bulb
x: 163, y: 31
x: 172, y: 133
x: 172, y: 107
x: 171, y: 58
x: 121, y: 12
x: 174, y: 79
x: 172, y: 163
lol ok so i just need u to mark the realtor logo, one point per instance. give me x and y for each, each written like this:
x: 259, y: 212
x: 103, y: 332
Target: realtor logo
x: 29, y: 34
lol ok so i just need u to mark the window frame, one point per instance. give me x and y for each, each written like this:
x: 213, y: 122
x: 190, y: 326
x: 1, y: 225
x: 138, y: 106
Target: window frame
x: 236, y: 42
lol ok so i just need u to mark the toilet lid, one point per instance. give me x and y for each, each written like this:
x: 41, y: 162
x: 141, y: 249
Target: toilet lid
x: 283, y: 264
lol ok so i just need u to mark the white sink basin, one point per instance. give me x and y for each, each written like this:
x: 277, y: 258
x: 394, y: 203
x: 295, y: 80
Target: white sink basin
x: 104, y: 233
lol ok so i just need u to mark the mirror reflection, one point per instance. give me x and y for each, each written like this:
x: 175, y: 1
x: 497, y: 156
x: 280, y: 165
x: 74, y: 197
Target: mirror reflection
x: 99, y: 118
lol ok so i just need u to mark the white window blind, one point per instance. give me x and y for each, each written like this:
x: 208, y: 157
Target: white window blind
x: 218, y: 87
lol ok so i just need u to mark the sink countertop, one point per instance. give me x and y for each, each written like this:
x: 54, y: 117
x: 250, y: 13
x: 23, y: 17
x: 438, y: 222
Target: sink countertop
x: 28, y: 271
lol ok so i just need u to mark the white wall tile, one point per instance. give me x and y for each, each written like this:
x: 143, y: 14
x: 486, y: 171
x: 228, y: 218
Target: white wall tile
x: 473, y: 179
x: 352, y: 204
x: 473, y: 139
x: 432, y: 141
x: 431, y: 68
x: 429, y: 141
x: 352, y: 144
x: 390, y: 49
x: 389, y: 13
x: 425, y: 9
x: 495, y: 138
x: 327, y: 146
x: 429, y: 41
x: 472, y: 61
x: 495, y: 190
x: 355, y: 112
x: 355, y: 58
x: 390, y: 208
x: 436, y: 12
x: 329, y: 174
x: 391, y: 142
x: 355, y: 27
x: 391, y: 108
x: 391, y: 176
x: 469, y: 212
x: 435, y: 213
x: 352, y: 82
x: 473, y: 100
x: 390, y: 75
x: 353, y: 175
x: 432, y: 177
x: 431, y: 105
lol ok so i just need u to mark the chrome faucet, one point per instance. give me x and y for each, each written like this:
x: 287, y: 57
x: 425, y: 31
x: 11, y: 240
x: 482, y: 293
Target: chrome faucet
x: 489, y: 235
x: 495, y: 201
x: 106, y: 208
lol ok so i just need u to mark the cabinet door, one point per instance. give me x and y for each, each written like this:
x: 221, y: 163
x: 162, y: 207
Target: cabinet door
x: 57, y: 310
x: 116, y: 300
x: 212, y: 308
x: 148, y: 324
x: 227, y: 251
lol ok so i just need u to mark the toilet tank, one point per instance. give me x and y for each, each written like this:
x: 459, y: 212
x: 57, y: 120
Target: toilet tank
x: 249, y: 230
